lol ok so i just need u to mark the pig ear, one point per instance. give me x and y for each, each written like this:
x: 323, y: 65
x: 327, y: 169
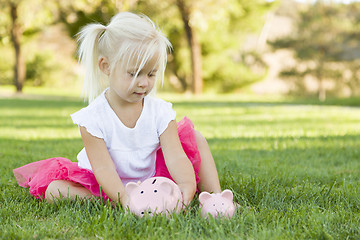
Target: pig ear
x: 131, y: 186
x: 204, y: 196
x: 166, y: 187
x: 227, y: 194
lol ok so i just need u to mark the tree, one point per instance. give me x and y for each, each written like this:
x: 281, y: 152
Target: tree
x: 214, y: 31
x: 225, y: 26
x: 77, y: 14
x: 194, y: 45
x: 183, y: 22
x: 37, y: 16
x: 101, y: 11
x: 16, y: 32
x: 325, y: 44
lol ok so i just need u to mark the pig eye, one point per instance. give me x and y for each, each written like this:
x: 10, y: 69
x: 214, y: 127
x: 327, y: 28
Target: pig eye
x: 149, y: 212
x: 142, y: 213
x: 223, y: 204
x: 155, y: 190
x: 214, y: 205
x: 142, y: 192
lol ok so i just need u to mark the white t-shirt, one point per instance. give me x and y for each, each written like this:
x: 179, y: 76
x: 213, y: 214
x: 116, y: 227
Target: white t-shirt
x: 133, y: 150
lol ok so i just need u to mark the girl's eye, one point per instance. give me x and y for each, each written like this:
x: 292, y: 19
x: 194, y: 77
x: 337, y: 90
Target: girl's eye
x: 132, y: 74
x: 151, y: 74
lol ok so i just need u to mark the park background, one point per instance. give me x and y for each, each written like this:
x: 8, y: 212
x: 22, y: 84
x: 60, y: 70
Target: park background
x: 272, y: 85
x: 297, y: 48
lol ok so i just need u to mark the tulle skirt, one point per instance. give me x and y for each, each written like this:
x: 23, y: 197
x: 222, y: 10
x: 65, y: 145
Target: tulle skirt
x: 38, y: 175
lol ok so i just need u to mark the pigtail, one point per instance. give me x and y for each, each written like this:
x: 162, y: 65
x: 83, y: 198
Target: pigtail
x: 88, y: 54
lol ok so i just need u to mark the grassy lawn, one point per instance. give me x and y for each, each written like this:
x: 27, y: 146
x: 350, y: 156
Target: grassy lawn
x: 294, y: 167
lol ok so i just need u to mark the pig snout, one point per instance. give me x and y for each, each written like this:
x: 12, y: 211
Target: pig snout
x: 218, y: 207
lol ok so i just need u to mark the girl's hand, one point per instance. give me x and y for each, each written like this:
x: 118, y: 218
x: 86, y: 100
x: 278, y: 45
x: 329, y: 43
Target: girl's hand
x: 188, y: 192
x: 125, y: 201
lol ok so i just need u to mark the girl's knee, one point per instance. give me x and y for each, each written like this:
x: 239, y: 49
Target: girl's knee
x: 200, y: 139
x: 55, y: 189
x: 65, y: 189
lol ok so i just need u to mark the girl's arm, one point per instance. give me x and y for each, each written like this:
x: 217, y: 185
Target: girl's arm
x: 179, y: 166
x: 103, y: 167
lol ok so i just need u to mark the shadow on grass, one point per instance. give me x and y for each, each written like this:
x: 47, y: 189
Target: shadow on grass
x: 51, y: 102
x: 25, y: 121
x: 15, y: 152
x: 45, y: 103
x: 320, y: 158
x: 323, y: 159
x: 37, y: 113
x: 216, y: 103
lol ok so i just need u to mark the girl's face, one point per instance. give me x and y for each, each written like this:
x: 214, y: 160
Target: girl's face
x: 127, y: 88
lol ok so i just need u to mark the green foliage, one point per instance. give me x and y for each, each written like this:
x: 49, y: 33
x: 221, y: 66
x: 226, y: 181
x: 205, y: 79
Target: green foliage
x: 76, y: 15
x: 6, y: 66
x: 227, y: 26
x: 34, y: 16
x: 226, y: 74
x: 222, y: 26
x: 293, y: 167
x: 42, y: 68
x: 326, y: 45
x: 39, y: 69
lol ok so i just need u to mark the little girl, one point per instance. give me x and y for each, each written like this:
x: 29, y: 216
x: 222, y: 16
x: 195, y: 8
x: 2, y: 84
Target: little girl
x: 128, y: 134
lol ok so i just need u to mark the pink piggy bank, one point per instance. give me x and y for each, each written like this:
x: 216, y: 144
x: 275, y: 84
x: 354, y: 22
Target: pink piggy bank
x: 217, y: 204
x: 155, y: 195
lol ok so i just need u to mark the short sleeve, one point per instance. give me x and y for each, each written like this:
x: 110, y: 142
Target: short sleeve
x: 165, y: 115
x: 85, y: 118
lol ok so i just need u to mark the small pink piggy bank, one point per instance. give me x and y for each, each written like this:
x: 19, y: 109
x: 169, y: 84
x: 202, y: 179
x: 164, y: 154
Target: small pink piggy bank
x: 155, y: 195
x: 217, y: 204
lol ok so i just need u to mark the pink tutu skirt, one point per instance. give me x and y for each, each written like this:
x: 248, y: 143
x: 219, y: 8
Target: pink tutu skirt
x: 38, y: 175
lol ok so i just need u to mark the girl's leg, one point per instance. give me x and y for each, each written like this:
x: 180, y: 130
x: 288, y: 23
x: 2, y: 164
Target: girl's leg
x: 209, y: 179
x: 65, y: 189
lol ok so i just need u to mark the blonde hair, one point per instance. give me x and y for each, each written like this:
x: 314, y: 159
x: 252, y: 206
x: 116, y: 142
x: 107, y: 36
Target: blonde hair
x: 127, y: 37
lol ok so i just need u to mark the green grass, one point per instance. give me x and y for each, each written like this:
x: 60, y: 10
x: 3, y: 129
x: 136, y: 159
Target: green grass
x: 294, y: 168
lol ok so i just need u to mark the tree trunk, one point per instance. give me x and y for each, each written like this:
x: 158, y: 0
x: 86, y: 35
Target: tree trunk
x: 195, y: 48
x: 181, y: 78
x: 16, y: 33
x: 320, y: 78
x: 322, y: 90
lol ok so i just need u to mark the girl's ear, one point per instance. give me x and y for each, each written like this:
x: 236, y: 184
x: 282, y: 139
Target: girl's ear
x: 104, y: 65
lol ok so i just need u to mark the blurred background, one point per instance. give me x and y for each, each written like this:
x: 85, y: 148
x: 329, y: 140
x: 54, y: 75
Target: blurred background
x: 289, y: 47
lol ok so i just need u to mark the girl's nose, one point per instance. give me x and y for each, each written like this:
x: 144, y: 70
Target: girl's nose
x: 143, y: 81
